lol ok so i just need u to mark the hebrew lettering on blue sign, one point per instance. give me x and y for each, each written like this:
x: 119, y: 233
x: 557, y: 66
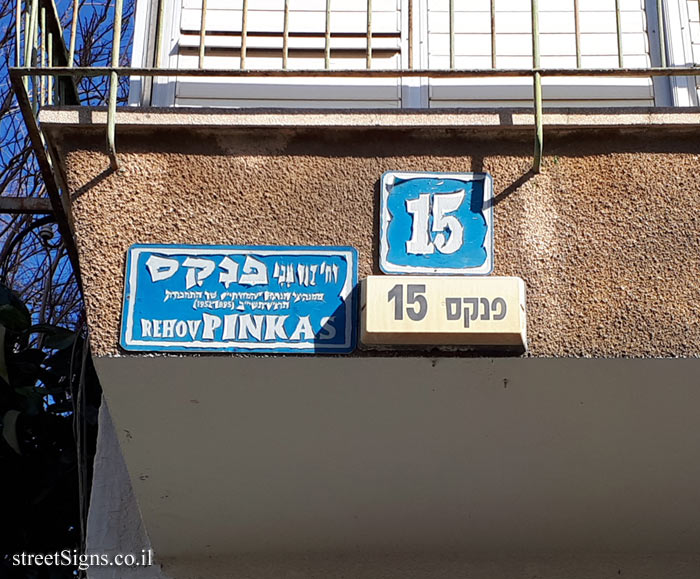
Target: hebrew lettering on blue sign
x: 440, y: 223
x: 240, y: 299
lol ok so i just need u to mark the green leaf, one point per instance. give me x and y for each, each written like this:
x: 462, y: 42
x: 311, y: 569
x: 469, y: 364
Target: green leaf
x: 24, y: 367
x: 3, y: 364
x: 33, y: 356
x: 14, y: 315
x: 9, y: 429
x: 57, y: 338
x: 60, y: 407
x: 60, y: 341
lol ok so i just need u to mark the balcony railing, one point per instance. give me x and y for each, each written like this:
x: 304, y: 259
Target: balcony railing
x: 45, y: 75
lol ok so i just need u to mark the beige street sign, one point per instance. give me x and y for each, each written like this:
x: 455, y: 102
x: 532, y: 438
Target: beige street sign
x: 443, y: 311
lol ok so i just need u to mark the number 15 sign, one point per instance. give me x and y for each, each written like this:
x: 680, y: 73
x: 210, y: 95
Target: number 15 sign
x: 439, y: 223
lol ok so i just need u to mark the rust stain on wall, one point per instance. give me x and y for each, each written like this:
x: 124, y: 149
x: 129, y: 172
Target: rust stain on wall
x: 607, y: 239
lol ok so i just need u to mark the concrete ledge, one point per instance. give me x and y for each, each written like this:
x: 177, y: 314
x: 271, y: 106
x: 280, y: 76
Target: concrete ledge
x: 454, y: 118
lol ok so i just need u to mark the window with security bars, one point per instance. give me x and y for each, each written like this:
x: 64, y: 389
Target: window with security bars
x: 430, y: 35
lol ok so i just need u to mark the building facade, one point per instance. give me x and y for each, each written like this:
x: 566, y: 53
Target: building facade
x: 574, y: 458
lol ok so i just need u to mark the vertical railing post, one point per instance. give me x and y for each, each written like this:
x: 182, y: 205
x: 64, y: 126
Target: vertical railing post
x: 73, y: 31
x: 244, y: 33
x: 34, y: 50
x: 537, y: 86
x: 369, y: 34
x: 50, y: 77
x: 202, y: 33
x: 114, y: 85
x: 410, y: 34
x: 42, y: 56
x: 493, y: 33
x: 577, y: 31
x: 29, y: 33
x: 285, y: 36
x: 159, y: 33
x: 618, y: 22
x: 27, y: 19
x: 452, y: 34
x: 327, y: 48
x: 18, y: 33
x: 662, y: 31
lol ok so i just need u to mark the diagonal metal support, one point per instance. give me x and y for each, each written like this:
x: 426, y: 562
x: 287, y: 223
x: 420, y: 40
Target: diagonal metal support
x: 24, y: 205
x: 58, y: 201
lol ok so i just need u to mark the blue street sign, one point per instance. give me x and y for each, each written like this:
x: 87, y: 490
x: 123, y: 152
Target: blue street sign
x: 439, y: 223
x: 189, y: 298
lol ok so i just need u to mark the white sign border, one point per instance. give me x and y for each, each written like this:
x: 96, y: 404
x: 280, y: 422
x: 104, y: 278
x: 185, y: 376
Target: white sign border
x: 385, y: 218
x: 127, y: 341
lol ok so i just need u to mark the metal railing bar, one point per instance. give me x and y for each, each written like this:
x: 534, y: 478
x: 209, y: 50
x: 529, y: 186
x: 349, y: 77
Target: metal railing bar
x: 29, y: 32
x: 63, y: 218
x: 202, y: 33
x: 20, y: 205
x: 537, y: 87
x: 26, y: 40
x: 50, y: 78
x: 67, y: 90
x: 78, y: 72
x: 618, y: 22
x: 410, y: 33
x: 662, y: 31
x: 577, y: 31
x: 244, y: 33
x: 73, y: 32
x: 369, y: 34
x: 18, y: 32
x: 285, y: 36
x: 34, y: 55
x: 452, y: 34
x: 327, y: 48
x: 159, y: 32
x: 114, y: 85
x: 43, y: 55
x: 493, y: 33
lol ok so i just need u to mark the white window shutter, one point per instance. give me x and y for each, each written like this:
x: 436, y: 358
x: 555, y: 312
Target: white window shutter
x: 431, y: 50
x: 598, y: 45
x: 306, y: 51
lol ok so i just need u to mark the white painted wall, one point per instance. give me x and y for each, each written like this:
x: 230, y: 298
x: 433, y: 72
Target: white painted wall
x: 114, y: 521
x: 412, y: 467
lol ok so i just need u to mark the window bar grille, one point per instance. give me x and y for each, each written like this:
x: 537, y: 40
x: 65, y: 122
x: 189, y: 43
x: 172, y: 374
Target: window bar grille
x: 73, y: 32
x: 327, y: 48
x: 369, y: 34
x: 577, y: 30
x: 493, y: 33
x: 618, y: 18
x: 285, y: 36
x: 452, y: 34
x: 244, y: 33
x: 537, y: 86
x: 202, y: 33
x: 662, y: 32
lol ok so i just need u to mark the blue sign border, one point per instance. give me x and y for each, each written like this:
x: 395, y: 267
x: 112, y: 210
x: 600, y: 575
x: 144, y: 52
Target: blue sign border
x: 349, y: 294
x: 387, y: 266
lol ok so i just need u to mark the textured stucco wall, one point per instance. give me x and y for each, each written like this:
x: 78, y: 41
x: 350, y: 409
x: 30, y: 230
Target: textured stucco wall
x: 607, y: 238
